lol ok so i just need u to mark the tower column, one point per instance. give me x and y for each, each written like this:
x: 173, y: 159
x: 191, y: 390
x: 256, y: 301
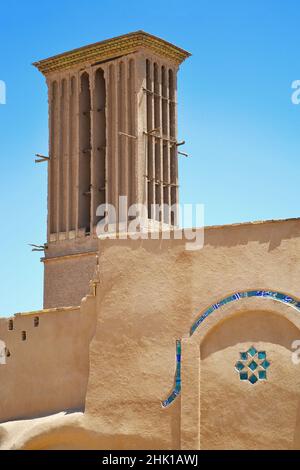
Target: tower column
x: 73, y: 154
x: 140, y: 162
x: 94, y: 152
x: 173, y: 135
x: 166, y: 144
x: 150, y: 137
x: 64, y: 157
x: 133, y: 143
x: 57, y: 157
x: 98, y: 136
x: 50, y: 202
x: 125, y: 139
x: 77, y: 152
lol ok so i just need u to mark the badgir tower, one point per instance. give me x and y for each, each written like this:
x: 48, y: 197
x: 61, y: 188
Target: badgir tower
x: 143, y: 343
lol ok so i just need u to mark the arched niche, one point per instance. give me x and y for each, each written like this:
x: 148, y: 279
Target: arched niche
x: 221, y: 411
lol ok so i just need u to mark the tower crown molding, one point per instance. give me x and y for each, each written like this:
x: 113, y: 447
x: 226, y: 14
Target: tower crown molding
x: 110, y: 49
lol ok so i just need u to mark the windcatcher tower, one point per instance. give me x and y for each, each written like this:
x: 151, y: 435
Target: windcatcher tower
x: 112, y: 132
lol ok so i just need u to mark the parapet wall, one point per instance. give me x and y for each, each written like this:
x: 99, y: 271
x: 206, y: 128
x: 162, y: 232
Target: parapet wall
x: 47, y: 358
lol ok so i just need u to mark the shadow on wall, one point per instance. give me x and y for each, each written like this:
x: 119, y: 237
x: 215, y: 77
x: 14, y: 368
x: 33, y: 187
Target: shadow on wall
x: 75, y: 438
x: 251, y: 327
x: 269, y: 232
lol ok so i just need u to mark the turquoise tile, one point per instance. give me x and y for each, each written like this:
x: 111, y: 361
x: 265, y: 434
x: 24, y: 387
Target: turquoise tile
x: 261, y: 355
x: 244, y: 375
x: 252, y: 365
x: 253, y: 379
x: 252, y: 351
x: 262, y: 375
x: 239, y: 366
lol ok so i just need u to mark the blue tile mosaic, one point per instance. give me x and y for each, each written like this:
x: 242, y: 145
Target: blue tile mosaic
x: 177, y: 388
x: 279, y: 296
x: 261, y: 355
x: 255, y: 361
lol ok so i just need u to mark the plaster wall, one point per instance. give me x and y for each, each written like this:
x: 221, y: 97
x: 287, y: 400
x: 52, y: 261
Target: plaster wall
x: 48, y: 371
x: 150, y: 294
x: 235, y: 414
x: 66, y: 279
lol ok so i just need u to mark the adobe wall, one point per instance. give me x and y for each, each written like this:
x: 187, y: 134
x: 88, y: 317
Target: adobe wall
x: 151, y: 293
x: 48, y: 371
x: 235, y: 414
x: 116, y: 356
x: 66, y: 279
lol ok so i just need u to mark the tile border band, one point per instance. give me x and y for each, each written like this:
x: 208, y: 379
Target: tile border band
x: 265, y: 294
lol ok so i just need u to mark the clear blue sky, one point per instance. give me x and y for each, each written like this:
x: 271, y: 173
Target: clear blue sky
x: 235, y: 111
